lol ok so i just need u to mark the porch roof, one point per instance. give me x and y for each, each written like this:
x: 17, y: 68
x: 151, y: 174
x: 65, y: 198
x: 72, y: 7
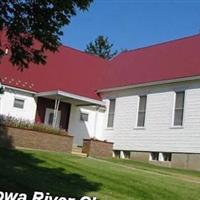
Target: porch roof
x: 70, y: 98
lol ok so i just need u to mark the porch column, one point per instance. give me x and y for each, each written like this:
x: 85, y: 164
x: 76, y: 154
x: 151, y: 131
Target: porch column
x: 55, y: 112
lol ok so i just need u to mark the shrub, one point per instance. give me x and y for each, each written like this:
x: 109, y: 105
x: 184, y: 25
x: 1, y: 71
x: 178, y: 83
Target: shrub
x: 25, y: 124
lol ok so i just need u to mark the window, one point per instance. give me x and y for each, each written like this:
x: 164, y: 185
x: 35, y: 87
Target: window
x: 111, y: 113
x: 117, y: 154
x: 179, y: 109
x: 154, y: 156
x: 127, y: 154
x: 167, y: 156
x: 18, y: 103
x: 50, y: 120
x: 84, y: 117
x: 142, y: 111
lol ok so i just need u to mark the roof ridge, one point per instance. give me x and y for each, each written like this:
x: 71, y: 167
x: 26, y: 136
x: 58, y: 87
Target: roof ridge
x: 83, y: 52
x: 161, y: 43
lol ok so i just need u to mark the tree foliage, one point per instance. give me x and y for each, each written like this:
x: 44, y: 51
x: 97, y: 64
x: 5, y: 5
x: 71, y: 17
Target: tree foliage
x: 101, y: 47
x: 26, y: 21
x: 1, y: 88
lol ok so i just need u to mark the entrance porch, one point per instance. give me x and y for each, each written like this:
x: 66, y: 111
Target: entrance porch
x: 80, y: 116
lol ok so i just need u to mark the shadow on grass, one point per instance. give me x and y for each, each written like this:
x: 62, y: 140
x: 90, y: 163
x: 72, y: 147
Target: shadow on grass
x: 24, y: 173
x: 21, y: 172
x: 5, y: 140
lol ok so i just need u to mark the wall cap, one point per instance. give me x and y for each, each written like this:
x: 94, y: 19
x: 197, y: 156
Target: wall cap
x: 26, y: 129
x: 95, y: 140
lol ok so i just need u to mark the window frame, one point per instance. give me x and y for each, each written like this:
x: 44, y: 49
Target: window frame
x: 20, y: 99
x: 166, y: 155
x: 160, y: 156
x: 138, y: 112
x: 48, y: 111
x: 84, y: 113
x: 113, y: 114
x: 151, y: 156
x: 174, y: 110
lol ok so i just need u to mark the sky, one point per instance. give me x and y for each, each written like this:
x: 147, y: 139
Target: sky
x: 131, y: 24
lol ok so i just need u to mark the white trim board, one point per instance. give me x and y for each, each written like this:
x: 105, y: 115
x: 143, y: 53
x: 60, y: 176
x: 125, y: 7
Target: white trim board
x: 19, y: 89
x: 149, y: 84
x: 70, y: 95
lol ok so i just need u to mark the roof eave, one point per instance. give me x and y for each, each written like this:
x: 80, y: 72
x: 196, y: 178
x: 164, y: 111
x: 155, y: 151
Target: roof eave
x: 72, y: 96
x: 190, y: 78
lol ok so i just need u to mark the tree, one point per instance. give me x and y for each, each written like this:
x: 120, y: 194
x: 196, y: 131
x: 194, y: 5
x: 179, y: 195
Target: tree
x: 32, y: 27
x: 123, y: 50
x: 1, y: 88
x: 101, y: 47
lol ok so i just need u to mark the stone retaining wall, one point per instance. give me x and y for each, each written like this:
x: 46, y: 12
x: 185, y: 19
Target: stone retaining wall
x: 96, y: 148
x: 15, y: 137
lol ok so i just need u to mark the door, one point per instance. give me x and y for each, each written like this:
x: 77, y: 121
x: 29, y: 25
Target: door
x: 49, y: 115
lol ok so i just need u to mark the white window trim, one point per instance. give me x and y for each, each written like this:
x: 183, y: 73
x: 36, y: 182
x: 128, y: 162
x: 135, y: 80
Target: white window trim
x: 173, y: 110
x: 47, y: 112
x: 151, y: 159
x: 136, y: 127
x: 84, y: 112
x: 160, y: 157
x: 20, y: 98
x: 107, y: 115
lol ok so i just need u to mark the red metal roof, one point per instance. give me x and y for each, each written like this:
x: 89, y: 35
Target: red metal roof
x: 170, y: 60
x: 76, y: 72
x: 69, y: 70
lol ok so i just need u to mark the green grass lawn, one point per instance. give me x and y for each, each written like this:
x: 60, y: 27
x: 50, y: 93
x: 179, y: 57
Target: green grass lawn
x: 67, y: 175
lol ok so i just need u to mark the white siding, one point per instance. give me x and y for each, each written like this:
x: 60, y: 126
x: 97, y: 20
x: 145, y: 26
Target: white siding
x: 7, y: 102
x: 84, y: 130
x: 158, y: 133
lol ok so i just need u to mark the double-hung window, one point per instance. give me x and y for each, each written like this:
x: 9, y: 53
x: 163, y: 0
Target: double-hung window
x: 111, y: 113
x: 142, y: 111
x: 179, y: 108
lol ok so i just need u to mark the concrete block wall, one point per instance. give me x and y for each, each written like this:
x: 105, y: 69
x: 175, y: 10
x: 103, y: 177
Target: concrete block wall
x: 179, y: 160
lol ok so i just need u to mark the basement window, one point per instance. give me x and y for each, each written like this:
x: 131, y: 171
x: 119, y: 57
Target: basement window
x: 167, y: 157
x: 154, y: 156
x: 116, y: 153
x: 127, y: 154
x: 84, y: 117
x: 18, y: 103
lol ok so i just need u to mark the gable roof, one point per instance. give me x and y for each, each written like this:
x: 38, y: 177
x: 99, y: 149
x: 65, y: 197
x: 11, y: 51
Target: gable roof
x: 166, y: 61
x: 69, y: 70
x: 79, y: 73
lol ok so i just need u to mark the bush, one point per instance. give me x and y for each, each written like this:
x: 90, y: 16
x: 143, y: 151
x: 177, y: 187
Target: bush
x: 25, y: 124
